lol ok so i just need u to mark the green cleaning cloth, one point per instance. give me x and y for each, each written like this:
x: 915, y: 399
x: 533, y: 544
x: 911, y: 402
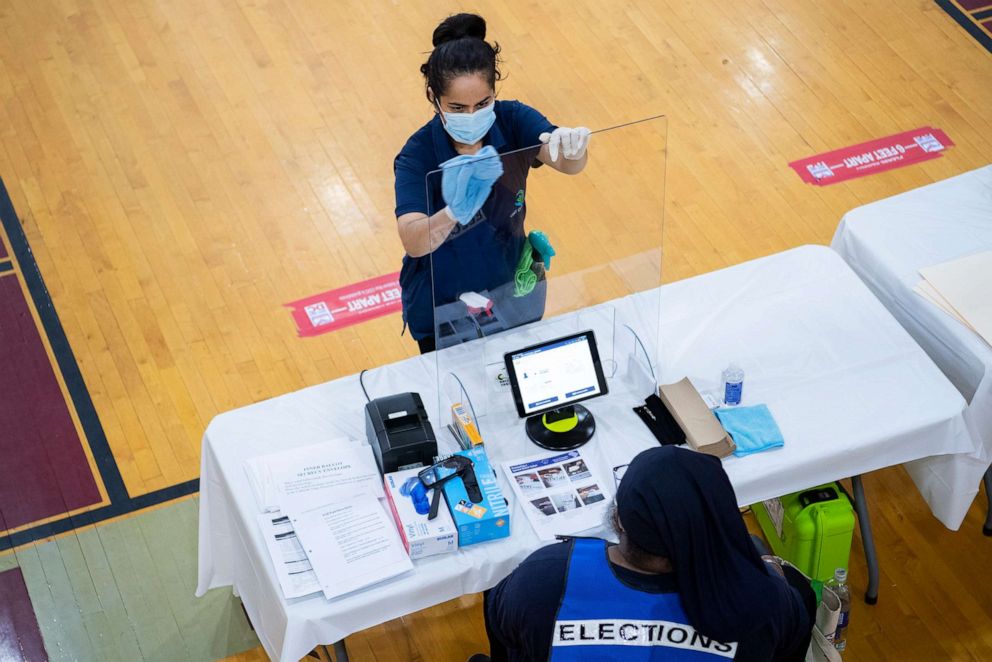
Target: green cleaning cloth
x: 528, y: 272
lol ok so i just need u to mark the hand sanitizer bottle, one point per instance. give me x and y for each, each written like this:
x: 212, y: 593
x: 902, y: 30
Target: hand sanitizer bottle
x: 733, y: 385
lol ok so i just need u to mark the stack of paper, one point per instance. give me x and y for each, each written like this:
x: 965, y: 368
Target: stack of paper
x: 323, y: 520
x: 296, y: 575
x: 961, y: 288
x: 326, y: 471
x: 351, y: 544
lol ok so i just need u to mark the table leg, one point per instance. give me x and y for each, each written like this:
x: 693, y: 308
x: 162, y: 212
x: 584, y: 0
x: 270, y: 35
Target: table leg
x: 861, y: 507
x: 987, y: 529
x: 324, y: 655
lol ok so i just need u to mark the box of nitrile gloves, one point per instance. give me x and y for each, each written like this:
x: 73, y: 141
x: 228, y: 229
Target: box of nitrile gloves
x: 410, y: 503
x: 478, y: 508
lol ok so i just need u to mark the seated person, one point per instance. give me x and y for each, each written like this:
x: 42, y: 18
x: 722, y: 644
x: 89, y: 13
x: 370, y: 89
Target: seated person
x: 685, y: 581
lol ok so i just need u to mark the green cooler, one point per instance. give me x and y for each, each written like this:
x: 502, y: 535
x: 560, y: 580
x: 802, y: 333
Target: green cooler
x: 812, y: 529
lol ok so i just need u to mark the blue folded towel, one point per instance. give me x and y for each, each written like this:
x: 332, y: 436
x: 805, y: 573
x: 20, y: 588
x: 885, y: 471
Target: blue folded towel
x: 752, y: 428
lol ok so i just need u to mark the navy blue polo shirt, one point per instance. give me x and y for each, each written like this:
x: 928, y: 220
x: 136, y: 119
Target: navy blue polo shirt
x: 482, y: 254
x: 522, y: 609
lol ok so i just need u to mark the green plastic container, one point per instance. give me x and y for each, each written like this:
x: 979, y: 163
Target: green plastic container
x: 812, y: 529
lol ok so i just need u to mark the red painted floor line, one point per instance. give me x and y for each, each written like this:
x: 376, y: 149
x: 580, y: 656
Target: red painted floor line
x: 44, y: 471
x: 20, y: 638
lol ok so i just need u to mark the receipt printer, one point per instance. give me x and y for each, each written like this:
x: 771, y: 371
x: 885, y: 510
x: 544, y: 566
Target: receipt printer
x: 399, y: 432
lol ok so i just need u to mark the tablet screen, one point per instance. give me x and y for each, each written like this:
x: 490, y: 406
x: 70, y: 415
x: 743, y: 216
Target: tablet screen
x: 556, y: 373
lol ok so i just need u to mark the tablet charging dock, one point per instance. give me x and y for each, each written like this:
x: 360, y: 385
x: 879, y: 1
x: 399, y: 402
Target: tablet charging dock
x: 561, y: 429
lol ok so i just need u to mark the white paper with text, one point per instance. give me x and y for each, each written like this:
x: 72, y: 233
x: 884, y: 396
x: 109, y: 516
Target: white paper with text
x: 560, y: 493
x: 296, y: 576
x: 351, y: 544
x: 300, y: 478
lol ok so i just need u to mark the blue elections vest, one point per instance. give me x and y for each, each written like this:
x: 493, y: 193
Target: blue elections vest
x: 601, y: 618
x: 479, y: 256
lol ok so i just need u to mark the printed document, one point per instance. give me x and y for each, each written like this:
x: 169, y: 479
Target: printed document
x: 560, y: 493
x: 351, y: 544
x: 300, y: 478
x: 293, y: 570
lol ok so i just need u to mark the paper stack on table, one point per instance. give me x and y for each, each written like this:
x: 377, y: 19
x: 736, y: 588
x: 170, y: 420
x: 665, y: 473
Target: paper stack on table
x: 296, y: 575
x: 323, y: 520
x: 962, y: 288
x: 351, y: 544
x: 332, y: 469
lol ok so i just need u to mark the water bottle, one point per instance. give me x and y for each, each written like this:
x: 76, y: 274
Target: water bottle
x: 839, y: 586
x: 733, y: 385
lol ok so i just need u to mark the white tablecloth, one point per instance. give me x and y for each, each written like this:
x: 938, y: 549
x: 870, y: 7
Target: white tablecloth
x: 886, y: 243
x: 851, y: 391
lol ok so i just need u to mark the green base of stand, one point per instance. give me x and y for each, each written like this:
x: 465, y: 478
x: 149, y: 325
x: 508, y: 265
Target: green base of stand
x: 561, y: 431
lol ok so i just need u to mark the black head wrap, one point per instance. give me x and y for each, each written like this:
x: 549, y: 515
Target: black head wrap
x: 679, y: 504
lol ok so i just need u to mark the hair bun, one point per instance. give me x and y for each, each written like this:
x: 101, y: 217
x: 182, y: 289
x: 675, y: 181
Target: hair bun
x: 458, y: 26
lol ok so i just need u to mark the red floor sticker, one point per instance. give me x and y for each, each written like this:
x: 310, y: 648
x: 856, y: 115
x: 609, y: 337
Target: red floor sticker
x: 347, y: 305
x: 872, y: 157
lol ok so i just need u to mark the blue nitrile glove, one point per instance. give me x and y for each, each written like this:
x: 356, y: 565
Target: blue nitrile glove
x: 539, y: 241
x: 414, y: 489
x: 466, y: 181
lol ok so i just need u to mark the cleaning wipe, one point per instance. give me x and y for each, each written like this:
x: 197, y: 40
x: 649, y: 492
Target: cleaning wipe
x: 467, y: 180
x: 753, y: 429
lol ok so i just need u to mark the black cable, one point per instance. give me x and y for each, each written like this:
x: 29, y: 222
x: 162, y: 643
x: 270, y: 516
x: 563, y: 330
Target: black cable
x: 361, y: 382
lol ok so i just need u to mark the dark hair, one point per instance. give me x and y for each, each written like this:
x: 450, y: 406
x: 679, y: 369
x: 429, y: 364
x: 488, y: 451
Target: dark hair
x: 460, y: 48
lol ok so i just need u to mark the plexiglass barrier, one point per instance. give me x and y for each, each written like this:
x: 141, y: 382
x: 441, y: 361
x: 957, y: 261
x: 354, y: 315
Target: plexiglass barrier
x: 527, y: 250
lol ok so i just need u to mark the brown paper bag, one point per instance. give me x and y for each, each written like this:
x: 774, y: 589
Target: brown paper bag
x: 703, y: 431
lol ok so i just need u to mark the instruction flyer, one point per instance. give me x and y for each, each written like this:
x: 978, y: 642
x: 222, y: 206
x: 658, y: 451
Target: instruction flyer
x: 560, y: 494
x: 293, y: 569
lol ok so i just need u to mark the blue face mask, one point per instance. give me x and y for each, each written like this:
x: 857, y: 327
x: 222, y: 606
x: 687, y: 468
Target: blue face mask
x: 470, y: 128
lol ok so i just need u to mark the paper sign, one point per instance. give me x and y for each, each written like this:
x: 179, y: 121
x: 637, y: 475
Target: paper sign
x: 872, y: 157
x: 561, y: 494
x: 347, y: 305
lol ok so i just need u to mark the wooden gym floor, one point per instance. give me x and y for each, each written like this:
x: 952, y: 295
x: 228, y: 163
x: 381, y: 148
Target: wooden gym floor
x: 182, y: 169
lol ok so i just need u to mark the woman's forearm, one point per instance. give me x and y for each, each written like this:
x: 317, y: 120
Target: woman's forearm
x: 567, y: 166
x: 422, y: 235
x: 570, y: 167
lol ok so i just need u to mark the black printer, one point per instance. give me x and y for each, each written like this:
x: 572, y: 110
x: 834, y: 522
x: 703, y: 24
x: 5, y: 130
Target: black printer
x: 399, y: 432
